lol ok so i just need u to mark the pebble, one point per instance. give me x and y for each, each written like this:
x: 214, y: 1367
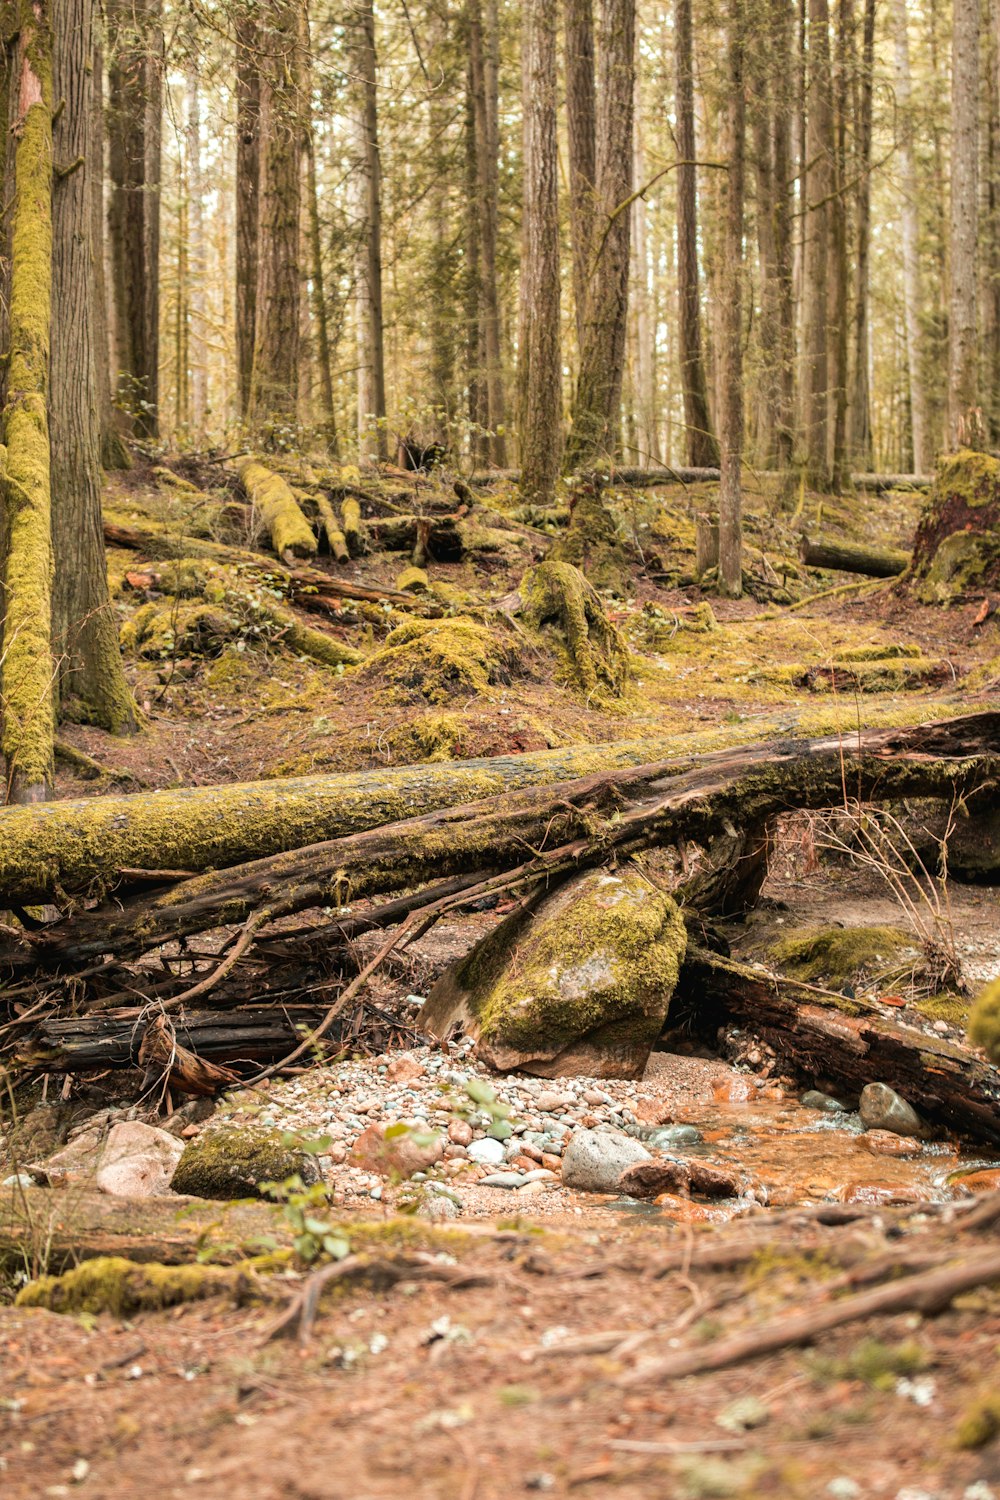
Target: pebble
x: 814, y: 1099
x: 885, y: 1143
x: 488, y: 1151
x: 881, y: 1108
x: 503, y: 1180
x: 460, y: 1133
x: 674, y: 1135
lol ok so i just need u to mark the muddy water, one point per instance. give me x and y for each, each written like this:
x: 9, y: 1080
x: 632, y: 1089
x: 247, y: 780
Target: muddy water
x: 786, y: 1154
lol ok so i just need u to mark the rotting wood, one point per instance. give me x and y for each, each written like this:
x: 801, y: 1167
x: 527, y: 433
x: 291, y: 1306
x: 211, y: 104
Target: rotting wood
x: 848, y: 557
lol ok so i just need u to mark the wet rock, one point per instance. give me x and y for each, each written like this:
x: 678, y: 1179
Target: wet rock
x: 647, y: 1179
x: 814, y: 1099
x: 233, y: 1161
x: 488, y: 1151
x: 885, y: 1143
x: 596, y: 964
x: 881, y: 1108
x: 711, y: 1182
x: 395, y: 1152
x: 138, y: 1161
x: 684, y: 1211
x: 594, y: 1160
x: 738, y: 1090
x: 987, y: 1180
x: 674, y: 1135
x: 876, y: 1194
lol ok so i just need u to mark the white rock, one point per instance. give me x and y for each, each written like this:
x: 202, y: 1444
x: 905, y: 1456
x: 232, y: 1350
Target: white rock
x: 595, y: 1159
x: 488, y: 1151
x: 138, y: 1161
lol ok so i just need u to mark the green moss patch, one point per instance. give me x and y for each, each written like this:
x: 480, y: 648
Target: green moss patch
x: 230, y: 1161
x: 835, y: 956
x: 565, y: 611
x: 984, y: 1022
x: 111, y: 1284
x: 439, y: 659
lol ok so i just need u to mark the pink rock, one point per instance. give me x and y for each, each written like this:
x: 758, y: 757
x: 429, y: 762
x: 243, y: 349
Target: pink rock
x: 412, y: 1150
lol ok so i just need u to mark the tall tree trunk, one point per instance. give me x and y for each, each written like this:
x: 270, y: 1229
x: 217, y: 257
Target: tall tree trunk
x: 702, y: 449
x: 134, y: 124
x: 484, y: 78
x: 274, y: 384
x: 991, y: 240
x: 247, y: 198
x: 596, y: 409
x: 475, y: 353
x: 965, y: 420
x: 839, y: 279
x: 539, y: 372
x: 731, y: 344
x: 912, y: 280
x: 196, y: 254
x: 27, y: 665
x: 114, y: 452
x: 368, y: 276
x: 644, y: 318
x: 819, y: 187
x: 84, y: 628
x: 320, y: 311
x: 769, y: 55
x: 862, y: 453
x: 581, y: 130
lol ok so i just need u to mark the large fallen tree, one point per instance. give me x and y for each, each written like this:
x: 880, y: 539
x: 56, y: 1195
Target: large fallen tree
x: 713, y: 809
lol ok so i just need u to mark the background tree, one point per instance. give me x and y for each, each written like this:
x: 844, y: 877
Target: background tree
x: 965, y: 418
x: 702, y: 449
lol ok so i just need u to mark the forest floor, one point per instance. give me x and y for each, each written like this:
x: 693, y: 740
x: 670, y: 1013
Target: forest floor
x: 519, y: 1382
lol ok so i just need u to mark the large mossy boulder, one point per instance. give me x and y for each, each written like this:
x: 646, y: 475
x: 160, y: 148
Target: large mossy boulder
x: 956, y: 550
x: 580, y: 983
x: 234, y: 1161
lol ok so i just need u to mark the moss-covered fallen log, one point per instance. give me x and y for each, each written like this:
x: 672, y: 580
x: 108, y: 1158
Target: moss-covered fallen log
x: 848, y: 557
x: 845, y: 1043
x: 279, y: 511
x: 542, y: 830
x: 75, y: 845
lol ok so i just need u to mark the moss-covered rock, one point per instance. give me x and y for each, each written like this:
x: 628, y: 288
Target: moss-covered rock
x: 578, y: 983
x: 232, y: 1161
x: 835, y: 956
x: 111, y: 1284
x: 558, y: 603
x: 435, y: 660
x: 984, y: 1022
x: 957, y: 546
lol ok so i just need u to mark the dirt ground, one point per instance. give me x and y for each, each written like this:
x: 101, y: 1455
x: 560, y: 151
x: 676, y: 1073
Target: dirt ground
x: 478, y: 1391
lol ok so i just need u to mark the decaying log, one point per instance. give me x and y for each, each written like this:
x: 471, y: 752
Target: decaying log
x: 279, y: 511
x: 574, y: 824
x: 440, y: 536
x: 89, y: 1044
x: 849, y: 1042
x: 652, y: 478
x: 848, y: 557
x: 77, y: 844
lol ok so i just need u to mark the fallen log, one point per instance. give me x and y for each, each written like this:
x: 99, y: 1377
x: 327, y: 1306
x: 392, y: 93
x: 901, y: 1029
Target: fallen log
x: 846, y: 1042
x: 662, y: 475
x: 72, y: 846
x: 574, y: 824
x: 848, y: 557
x: 440, y: 536
x: 279, y: 511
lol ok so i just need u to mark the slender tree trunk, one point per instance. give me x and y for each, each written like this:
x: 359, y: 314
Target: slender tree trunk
x: 862, y: 454
x: 134, y: 124
x: 769, y: 54
x: 27, y: 665
x: 196, y: 254
x: 320, y: 311
x: 475, y: 353
x: 646, y: 405
x: 965, y: 420
x: 991, y: 240
x: 247, y: 199
x: 702, y: 449
x: 912, y: 280
x: 368, y: 172
x: 596, y: 410
x: 84, y: 628
x: 819, y: 187
x: 731, y: 344
x: 839, y: 281
x: 484, y: 79
x: 581, y: 130
x: 114, y: 452
x: 277, y: 341
x: 539, y: 365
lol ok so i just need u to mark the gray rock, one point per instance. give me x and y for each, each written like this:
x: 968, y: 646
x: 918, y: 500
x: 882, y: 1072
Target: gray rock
x: 674, y: 1135
x: 814, y: 1099
x: 594, y: 1160
x: 881, y: 1108
x: 503, y: 1180
x: 232, y: 1161
x: 138, y: 1161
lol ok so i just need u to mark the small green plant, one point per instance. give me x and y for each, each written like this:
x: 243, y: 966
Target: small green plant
x: 301, y: 1207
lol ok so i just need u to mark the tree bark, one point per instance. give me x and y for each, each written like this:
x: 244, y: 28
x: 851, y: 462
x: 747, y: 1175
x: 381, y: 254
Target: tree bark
x: 84, y: 627
x: 818, y: 194
x: 368, y: 184
x: 114, y: 450
x: 135, y: 86
x: 27, y: 663
x: 862, y: 451
x: 321, y: 317
x: 596, y: 408
x: 581, y: 131
x: 483, y: 73
x: 965, y: 417
x: 277, y: 343
x: 196, y: 251
x: 912, y: 279
x: 731, y: 351
x: 702, y: 449
x: 247, y: 199
x: 539, y: 364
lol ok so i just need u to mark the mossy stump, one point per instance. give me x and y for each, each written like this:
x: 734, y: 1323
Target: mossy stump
x: 556, y: 601
x: 577, y: 983
x: 956, y: 550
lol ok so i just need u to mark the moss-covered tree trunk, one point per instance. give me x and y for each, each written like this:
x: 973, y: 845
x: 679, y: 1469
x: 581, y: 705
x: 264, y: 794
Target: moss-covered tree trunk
x: 27, y: 667
x: 84, y: 628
